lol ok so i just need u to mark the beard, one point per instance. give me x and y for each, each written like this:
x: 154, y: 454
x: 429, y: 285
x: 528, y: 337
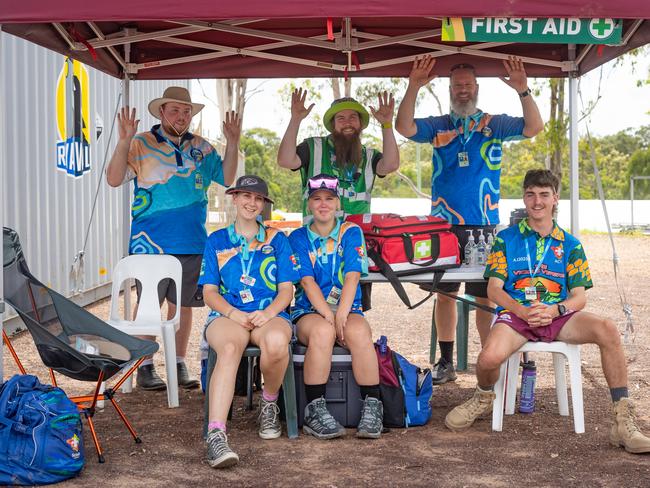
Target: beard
x: 464, y: 108
x: 347, y: 148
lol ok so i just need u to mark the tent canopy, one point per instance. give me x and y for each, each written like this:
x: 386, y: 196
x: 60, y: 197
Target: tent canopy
x: 289, y: 38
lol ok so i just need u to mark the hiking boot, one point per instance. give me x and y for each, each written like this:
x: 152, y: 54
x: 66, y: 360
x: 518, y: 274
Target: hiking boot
x: 624, y: 432
x: 319, y: 422
x: 372, y: 418
x: 464, y: 415
x: 219, y: 453
x: 442, y: 372
x: 269, y: 420
x: 148, y: 378
x: 184, y: 378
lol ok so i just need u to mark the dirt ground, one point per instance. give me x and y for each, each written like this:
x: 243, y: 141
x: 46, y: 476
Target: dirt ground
x: 539, y: 449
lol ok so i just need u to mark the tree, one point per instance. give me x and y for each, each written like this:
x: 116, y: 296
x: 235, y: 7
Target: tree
x: 640, y: 166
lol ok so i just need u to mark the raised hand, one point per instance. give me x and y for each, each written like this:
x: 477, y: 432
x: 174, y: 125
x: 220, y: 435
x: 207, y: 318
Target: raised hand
x: 385, y: 111
x: 298, y: 109
x: 421, y: 71
x: 232, y: 127
x: 127, y: 124
x: 517, y: 78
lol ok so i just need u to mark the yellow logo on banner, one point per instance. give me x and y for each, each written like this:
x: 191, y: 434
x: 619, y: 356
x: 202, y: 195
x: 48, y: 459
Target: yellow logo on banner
x: 73, y: 119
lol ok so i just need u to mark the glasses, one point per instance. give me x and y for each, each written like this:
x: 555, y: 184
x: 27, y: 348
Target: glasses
x: 323, y: 182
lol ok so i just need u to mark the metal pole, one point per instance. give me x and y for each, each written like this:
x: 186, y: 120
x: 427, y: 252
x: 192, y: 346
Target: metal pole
x: 418, y: 165
x: 126, y: 189
x: 632, y: 202
x: 3, y: 159
x: 573, y: 149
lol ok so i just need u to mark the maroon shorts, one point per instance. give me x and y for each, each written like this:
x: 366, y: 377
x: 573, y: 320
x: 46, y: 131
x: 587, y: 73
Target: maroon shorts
x: 548, y: 333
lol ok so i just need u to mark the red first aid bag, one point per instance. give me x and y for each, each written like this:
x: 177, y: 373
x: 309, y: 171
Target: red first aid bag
x: 408, y: 244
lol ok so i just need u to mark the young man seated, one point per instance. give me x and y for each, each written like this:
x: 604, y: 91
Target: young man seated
x: 537, y: 275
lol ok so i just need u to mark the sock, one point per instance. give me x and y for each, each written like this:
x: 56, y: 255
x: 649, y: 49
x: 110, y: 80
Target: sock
x: 315, y: 391
x: 269, y: 397
x: 371, y: 391
x: 180, y: 359
x: 447, y: 350
x: 216, y: 425
x: 484, y: 389
x: 146, y: 362
x: 618, y: 393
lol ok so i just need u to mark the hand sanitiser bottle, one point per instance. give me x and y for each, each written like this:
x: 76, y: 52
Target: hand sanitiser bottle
x: 470, y: 250
x: 490, y: 243
x: 481, y: 254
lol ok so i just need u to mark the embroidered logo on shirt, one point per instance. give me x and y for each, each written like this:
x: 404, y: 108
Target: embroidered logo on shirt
x: 558, y: 251
x: 268, y: 249
x: 360, y: 251
x: 196, y: 154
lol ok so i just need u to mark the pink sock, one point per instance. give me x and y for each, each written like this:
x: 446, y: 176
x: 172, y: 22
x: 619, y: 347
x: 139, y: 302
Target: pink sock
x: 268, y: 396
x: 216, y: 425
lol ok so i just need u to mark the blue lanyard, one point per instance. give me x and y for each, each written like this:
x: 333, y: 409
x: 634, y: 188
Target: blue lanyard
x: 246, y: 269
x: 324, y: 253
x: 466, y: 128
x: 530, y: 268
x: 177, y: 148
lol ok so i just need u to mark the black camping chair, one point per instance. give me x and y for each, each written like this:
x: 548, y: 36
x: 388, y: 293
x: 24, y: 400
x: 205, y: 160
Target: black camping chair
x: 70, y: 340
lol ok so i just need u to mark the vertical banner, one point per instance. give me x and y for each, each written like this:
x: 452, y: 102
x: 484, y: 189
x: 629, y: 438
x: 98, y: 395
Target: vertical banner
x: 73, y: 119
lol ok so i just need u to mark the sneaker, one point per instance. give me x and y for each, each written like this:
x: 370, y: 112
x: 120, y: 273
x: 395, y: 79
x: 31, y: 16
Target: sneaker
x: 442, y: 372
x: 372, y: 419
x: 219, y: 453
x: 319, y: 422
x: 184, y: 378
x: 624, y: 432
x: 464, y: 415
x: 148, y: 378
x: 269, y: 420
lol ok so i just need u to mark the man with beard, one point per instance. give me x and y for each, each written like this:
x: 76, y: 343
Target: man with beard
x: 172, y: 170
x: 341, y: 154
x: 467, y: 148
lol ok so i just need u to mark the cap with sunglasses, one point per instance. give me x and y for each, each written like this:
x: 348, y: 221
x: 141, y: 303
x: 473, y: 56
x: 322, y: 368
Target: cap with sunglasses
x: 323, y: 182
x: 252, y: 184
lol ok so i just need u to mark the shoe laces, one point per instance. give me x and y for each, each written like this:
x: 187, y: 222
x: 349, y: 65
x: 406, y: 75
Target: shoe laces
x: 629, y: 419
x: 218, y: 443
x: 268, y: 417
x: 475, y: 405
x: 370, y: 413
x: 323, y: 415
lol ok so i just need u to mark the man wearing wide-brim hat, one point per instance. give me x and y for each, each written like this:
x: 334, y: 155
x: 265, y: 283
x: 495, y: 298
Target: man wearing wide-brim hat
x: 341, y: 153
x: 172, y: 170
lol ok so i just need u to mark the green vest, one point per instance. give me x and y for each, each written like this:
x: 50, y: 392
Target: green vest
x: 355, y: 195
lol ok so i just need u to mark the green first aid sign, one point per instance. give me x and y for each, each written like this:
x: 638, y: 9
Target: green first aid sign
x: 423, y: 249
x: 550, y: 31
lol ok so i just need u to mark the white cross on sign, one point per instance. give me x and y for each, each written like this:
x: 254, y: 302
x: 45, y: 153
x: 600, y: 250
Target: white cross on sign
x: 423, y: 249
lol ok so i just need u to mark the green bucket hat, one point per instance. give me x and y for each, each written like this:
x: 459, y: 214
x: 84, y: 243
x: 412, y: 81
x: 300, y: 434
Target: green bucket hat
x: 346, y: 103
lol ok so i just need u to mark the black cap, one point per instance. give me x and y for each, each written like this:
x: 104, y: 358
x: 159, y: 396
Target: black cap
x: 253, y: 184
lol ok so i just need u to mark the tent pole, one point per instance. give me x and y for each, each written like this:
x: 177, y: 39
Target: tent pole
x: 573, y: 148
x: 126, y: 197
x: 3, y: 159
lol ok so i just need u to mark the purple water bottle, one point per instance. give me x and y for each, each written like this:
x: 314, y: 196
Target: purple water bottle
x: 383, y: 345
x: 527, y: 397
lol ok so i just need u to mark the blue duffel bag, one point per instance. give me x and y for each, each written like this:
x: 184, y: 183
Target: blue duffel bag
x: 41, y: 440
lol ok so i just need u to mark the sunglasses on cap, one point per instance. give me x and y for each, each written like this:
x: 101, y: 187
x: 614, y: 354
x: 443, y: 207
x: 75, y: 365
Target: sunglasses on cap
x: 323, y: 182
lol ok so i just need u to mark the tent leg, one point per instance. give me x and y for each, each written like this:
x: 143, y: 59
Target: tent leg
x: 573, y: 151
x: 2, y: 197
x: 126, y: 197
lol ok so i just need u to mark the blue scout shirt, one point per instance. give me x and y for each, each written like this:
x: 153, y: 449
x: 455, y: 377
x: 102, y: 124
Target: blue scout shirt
x: 465, y: 191
x: 267, y: 259
x: 327, y: 260
x: 557, y: 261
x: 170, y: 192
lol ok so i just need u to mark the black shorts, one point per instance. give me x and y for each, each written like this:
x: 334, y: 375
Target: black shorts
x: 474, y: 289
x: 191, y: 295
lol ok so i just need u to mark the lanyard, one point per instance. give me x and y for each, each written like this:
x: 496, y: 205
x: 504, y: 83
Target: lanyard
x: 530, y: 269
x: 472, y: 131
x: 246, y: 269
x: 324, y: 253
x: 176, y: 148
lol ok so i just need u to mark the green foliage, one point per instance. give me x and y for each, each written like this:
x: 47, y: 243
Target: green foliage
x: 640, y: 166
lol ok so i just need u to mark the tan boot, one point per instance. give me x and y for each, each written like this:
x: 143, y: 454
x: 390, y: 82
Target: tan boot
x: 624, y: 432
x: 464, y: 415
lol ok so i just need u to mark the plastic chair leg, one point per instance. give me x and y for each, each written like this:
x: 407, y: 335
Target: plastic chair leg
x: 249, y: 383
x: 576, y: 391
x: 511, y: 383
x: 169, y: 345
x: 289, y: 390
x: 559, y: 365
x: 500, y: 397
x: 462, y: 333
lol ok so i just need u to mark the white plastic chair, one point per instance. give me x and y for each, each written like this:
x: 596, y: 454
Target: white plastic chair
x: 149, y: 270
x: 506, y: 387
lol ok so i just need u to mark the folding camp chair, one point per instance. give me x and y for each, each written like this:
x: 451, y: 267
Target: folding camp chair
x: 69, y: 339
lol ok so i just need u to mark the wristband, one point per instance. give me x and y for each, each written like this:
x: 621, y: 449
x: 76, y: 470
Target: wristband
x: 387, y: 125
x: 525, y: 93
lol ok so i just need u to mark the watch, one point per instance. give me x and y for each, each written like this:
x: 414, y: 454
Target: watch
x: 561, y: 309
x: 525, y: 93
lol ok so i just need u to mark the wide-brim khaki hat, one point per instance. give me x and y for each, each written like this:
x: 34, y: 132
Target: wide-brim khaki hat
x: 176, y: 94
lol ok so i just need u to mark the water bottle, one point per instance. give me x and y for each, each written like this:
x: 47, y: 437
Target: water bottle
x: 470, y: 250
x: 481, y: 255
x: 490, y: 243
x: 527, y: 398
x: 383, y: 345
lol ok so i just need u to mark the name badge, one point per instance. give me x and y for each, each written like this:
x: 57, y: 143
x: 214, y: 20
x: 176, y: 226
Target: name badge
x: 247, y: 280
x: 246, y: 295
x: 198, y: 181
x: 463, y: 159
x: 531, y: 293
x: 334, y: 296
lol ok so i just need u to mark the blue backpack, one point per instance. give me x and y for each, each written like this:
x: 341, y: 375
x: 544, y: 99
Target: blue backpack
x: 418, y: 389
x: 40, y: 433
